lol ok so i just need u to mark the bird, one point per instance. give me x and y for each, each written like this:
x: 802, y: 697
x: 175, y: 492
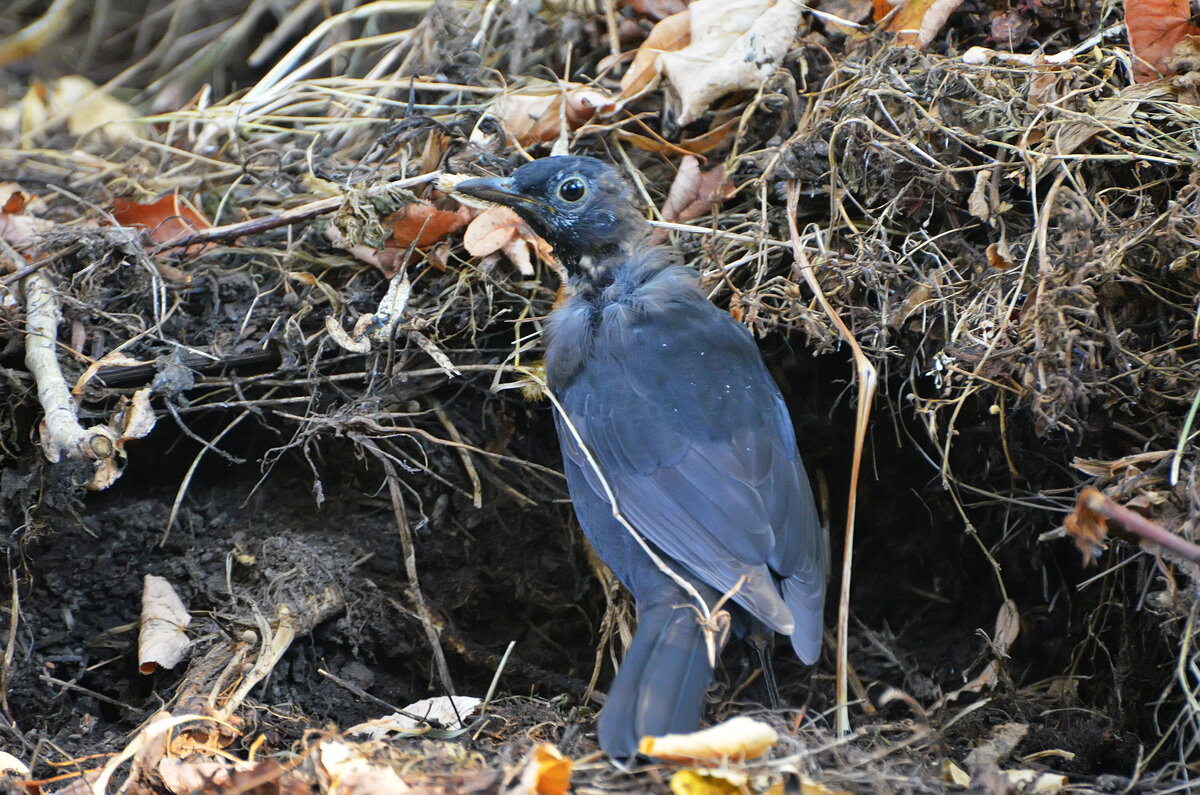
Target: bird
x: 666, y: 406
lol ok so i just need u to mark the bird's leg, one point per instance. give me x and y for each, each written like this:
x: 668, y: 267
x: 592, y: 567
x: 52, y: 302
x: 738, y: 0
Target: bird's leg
x: 760, y: 639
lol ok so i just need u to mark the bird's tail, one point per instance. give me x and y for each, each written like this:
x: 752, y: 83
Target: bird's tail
x: 661, y: 682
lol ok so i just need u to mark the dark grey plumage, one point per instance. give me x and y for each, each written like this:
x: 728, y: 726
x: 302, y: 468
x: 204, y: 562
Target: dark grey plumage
x: 672, y: 398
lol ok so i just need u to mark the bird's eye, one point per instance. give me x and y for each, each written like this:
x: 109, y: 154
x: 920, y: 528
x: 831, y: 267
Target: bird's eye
x: 572, y: 190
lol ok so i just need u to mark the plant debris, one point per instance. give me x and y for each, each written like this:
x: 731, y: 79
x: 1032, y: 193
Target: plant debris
x: 307, y: 385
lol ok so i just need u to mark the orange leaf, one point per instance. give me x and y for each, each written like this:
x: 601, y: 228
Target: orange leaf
x: 546, y: 772
x: 18, y: 226
x: 168, y: 219
x: 423, y: 224
x: 672, y: 34
x: 1155, y: 27
x: 919, y: 21
x: 1087, y: 527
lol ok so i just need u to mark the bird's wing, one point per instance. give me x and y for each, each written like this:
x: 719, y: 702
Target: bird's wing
x: 693, y: 438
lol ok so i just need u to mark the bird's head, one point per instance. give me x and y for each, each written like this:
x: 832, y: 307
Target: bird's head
x: 580, y: 205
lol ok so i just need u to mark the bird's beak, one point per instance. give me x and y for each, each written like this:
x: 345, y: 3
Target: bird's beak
x: 498, y: 190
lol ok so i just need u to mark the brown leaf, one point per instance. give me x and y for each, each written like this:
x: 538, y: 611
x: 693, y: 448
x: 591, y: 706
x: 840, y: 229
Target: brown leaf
x: 17, y: 228
x: 656, y: 9
x: 1087, y: 527
x: 1155, y: 27
x: 423, y: 224
x: 535, y: 113
x: 693, y: 193
x: 168, y: 219
x: 735, y: 46
x: 919, y: 21
x: 501, y: 229
x: 671, y: 34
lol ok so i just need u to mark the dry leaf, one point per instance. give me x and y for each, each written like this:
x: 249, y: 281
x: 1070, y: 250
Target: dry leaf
x: 955, y: 775
x: 445, y: 711
x: 919, y: 21
x: 17, y: 226
x: 133, y: 419
x: 693, y: 193
x: 501, y: 229
x: 352, y: 773
x: 810, y: 787
x: 1087, y: 527
x: 546, y: 772
x: 671, y: 34
x: 162, y: 642
x: 10, y: 765
x: 1008, y: 627
x: 169, y: 219
x: 74, y: 100
x: 423, y: 224
x: 740, y: 737
x: 1155, y: 27
x: 535, y: 113
x: 1004, y: 740
x: 722, y: 782
x: 1033, y: 782
x: 735, y: 46
x: 656, y: 9
x: 977, y: 204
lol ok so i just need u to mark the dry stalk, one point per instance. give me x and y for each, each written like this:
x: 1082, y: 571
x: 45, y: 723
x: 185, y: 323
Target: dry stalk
x: 62, y: 434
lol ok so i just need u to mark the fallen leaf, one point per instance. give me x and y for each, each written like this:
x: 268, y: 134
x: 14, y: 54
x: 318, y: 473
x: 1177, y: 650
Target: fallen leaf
x: 671, y: 34
x: 810, y: 787
x: 708, y: 782
x: 75, y: 101
x: 423, y: 224
x: 351, y: 772
x: 445, y: 711
x: 88, y: 108
x: 162, y: 642
x: 656, y: 9
x: 1004, y: 740
x: 740, y: 737
x: 535, y: 113
x: 1008, y: 627
x: 1155, y: 27
x: 977, y: 204
x: 918, y: 22
x: 693, y: 192
x: 1033, y: 782
x: 546, y: 772
x: 501, y: 229
x: 169, y: 219
x: 1087, y: 527
x: 955, y: 775
x: 735, y: 46
x: 10, y: 765
x: 18, y: 226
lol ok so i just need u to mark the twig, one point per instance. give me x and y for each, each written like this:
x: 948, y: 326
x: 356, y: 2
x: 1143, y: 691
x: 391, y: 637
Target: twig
x: 867, y: 379
x: 1091, y: 499
x: 410, y: 567
x: 61, y: 431
x: 295, y: 215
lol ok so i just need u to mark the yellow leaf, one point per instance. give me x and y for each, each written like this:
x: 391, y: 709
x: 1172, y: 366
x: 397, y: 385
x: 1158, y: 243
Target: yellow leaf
x: 741, y: 737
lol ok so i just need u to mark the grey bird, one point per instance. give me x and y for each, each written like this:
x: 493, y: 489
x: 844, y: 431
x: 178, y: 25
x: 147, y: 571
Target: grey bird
x: 672, y: 400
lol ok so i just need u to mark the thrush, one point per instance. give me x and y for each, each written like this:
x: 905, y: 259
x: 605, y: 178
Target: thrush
x: 683, y: 426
